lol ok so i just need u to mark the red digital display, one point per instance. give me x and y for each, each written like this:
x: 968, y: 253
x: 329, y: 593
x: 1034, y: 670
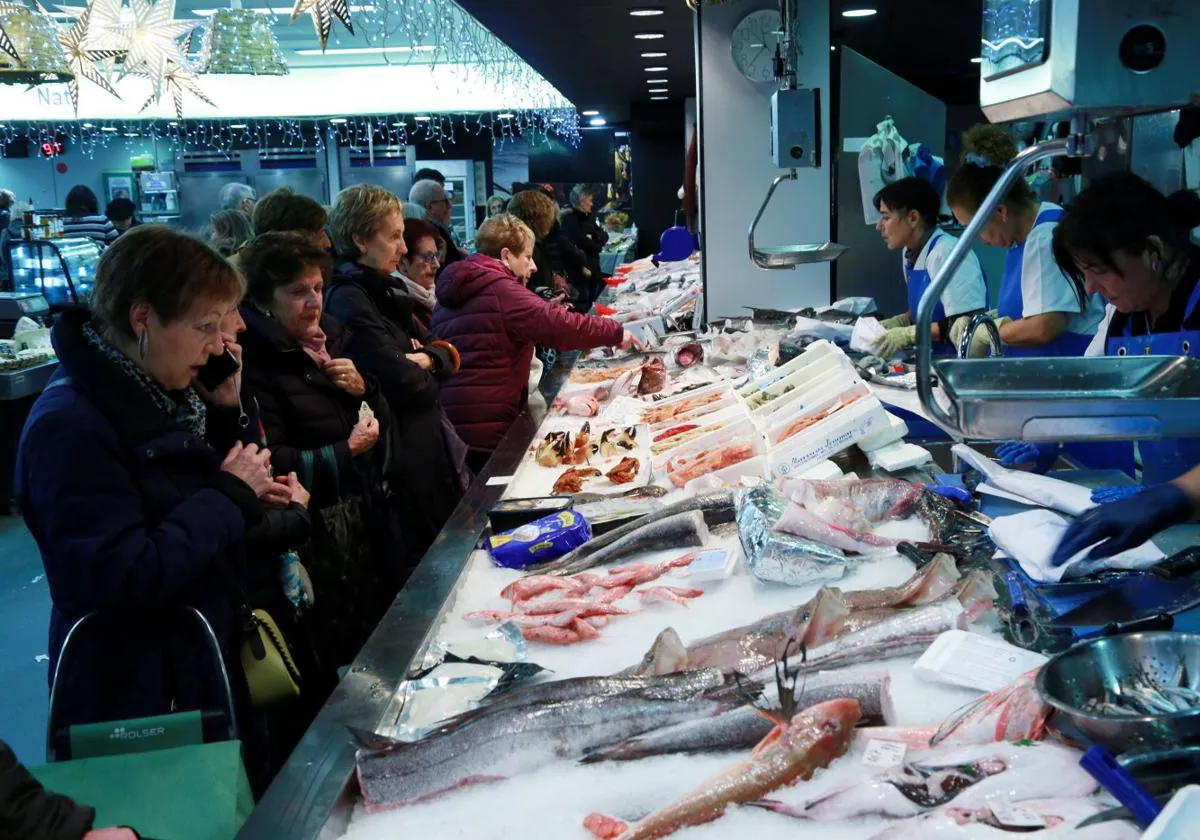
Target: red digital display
x: 52, y: 148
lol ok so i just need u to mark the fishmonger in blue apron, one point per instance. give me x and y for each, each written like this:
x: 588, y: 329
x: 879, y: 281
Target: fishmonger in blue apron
x: 908, y: 222
x: 1129, y: 242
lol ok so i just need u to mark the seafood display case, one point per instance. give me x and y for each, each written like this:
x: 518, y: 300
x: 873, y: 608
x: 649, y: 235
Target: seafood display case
x: 61, y: 270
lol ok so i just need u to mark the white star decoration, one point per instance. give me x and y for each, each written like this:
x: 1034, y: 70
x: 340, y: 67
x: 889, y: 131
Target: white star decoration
x: 6, y: 44
x: 81, y: 60
x: 153, y: 42
x: 179, y: 78
x: 323, y: 12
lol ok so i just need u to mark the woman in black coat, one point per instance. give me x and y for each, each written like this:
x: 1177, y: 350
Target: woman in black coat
x: 580, y: 227
x: 140, y: 493
x: 427, y: 474
x: 310, y: 399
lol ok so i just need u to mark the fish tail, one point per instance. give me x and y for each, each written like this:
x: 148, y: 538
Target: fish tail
x: 779, y: 808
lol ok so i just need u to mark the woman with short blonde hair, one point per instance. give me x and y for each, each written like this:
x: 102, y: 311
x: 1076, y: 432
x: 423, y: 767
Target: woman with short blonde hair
x: 485, y: 309
x: 358, y: 214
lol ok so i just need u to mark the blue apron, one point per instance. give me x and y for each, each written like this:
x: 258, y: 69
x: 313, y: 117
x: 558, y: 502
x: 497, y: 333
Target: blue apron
x: 917, y: 281
x: 1011, y: 303
x: 1163, y: 460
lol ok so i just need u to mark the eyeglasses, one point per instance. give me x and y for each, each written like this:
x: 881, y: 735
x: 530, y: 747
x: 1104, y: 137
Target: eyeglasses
x: 429, y: 259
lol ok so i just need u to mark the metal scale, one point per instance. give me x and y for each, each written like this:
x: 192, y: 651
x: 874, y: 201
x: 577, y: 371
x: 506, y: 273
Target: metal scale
x: 1076, y: 58
x: 795, y: 142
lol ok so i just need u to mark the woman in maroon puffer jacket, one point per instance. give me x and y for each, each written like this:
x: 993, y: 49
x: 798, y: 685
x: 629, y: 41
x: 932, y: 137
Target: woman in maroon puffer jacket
x: 486, y: 312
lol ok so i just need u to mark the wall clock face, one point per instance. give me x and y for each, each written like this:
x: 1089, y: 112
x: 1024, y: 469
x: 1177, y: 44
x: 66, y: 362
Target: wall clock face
x: 753, y: 44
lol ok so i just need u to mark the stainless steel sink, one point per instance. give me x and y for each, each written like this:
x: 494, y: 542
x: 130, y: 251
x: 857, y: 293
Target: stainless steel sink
x: 1077, y: 398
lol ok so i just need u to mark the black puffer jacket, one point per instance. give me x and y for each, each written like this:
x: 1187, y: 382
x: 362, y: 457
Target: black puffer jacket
x: 306, y: 418
x: 424, y: 476
x: 28, y: 810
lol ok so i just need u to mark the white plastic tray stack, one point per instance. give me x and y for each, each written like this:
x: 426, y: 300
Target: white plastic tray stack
x: 813, y: 407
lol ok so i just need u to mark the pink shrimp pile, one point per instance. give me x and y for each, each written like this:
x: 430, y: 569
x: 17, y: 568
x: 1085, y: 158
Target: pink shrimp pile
x: 563, y: 610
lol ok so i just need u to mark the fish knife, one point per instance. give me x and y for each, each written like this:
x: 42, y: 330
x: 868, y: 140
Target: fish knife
x: 1171, y: 587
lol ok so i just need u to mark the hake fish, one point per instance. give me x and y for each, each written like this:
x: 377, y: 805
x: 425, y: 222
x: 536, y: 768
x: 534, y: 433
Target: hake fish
x: 742, y: 728
x: 968, y: 777
x: 750, y: 648
x: 510, y: 741
x: 902, y: 633
x: 716, y: 508
x: 793, y: 751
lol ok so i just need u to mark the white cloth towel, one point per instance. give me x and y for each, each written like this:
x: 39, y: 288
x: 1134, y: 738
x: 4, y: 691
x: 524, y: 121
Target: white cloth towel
x: 1031, y: 537
x: 1040, y: 490
x: 867, y: 332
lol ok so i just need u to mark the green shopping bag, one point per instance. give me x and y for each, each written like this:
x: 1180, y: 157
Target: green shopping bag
x: 196, y: 792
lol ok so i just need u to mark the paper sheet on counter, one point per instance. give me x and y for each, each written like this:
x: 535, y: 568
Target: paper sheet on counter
x: 1031, y: 537
x: 1038, y: 489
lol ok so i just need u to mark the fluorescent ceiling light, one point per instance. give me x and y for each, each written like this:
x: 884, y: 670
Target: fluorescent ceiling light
x: 368, y: 50
x: 88, y: 125
x: 397, y: 125
x: 858, y: 13
x: 422, y: 119
x: 657, y: 69
x: 108, y: 128
x: 976, y: 60
x: 620, y: 134
x: 238, y: 125
x: 597, y: 121
x: 657, y: 81
x: 654, y: 55
x: 505, y: 116
x: 658, y: 90
x: 645, y: 12
x: 657, y: 98
x: 648, y: 36
x: 590, y: 113
x: 338, y: 120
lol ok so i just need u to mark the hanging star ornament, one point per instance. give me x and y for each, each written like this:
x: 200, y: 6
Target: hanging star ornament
x: 153, y: 41
x: 6, y: 44
x: 323, y: 12
x: 179, y: 78
x: 82, y: 60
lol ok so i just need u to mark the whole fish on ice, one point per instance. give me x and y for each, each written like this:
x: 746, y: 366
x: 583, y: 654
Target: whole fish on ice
x: 1059, y: 817
x: 793, y: 751
x: 500, y: 743
x: 968, y: 777
x: 716, y: 507
x: 842, y: 513
x: 903, y: 633
x: 742, y: 728
x: 750, y: 648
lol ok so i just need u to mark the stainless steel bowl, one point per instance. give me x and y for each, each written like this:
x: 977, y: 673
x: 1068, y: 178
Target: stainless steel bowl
x: 1103, y: 666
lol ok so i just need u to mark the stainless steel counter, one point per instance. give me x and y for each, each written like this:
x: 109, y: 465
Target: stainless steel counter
x: 25, y: 382
x: 312, y: 797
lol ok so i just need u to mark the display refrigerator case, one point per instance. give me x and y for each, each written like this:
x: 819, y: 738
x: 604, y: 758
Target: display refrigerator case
x: 63, y: 271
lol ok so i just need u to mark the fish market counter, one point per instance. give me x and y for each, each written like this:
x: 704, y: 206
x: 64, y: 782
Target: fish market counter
x: 701, y: 597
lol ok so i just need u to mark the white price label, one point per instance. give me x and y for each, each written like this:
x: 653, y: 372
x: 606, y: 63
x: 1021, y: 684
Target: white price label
x: 884, y: 754
x: 499, y: 480
x: 1015, y: 816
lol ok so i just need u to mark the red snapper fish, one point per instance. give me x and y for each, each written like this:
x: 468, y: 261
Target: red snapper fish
x: 792, y: 752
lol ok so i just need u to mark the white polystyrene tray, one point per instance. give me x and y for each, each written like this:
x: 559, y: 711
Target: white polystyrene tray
x: 839, y: 375
x: 532, y: 480
x: 828, y: 437
x: 822, y: 400
x: 814, y: 352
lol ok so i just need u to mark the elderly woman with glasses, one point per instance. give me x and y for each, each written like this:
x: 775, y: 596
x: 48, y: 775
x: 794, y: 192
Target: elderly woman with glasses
x: 419, y: 267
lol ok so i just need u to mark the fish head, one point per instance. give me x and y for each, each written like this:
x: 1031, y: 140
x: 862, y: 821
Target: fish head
x: 821, y: 733
x: 667, y: 655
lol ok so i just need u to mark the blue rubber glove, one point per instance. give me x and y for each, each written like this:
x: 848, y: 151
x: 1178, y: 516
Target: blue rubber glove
x: 951, y: 492
x: 1018, y: 453
x: 1115, y: 493
x: 1124, y: 525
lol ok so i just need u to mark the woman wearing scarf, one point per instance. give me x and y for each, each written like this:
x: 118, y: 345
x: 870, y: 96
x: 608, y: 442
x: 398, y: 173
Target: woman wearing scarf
x: 310, y: 399
x: 140, y: 492
x: 419, y: 267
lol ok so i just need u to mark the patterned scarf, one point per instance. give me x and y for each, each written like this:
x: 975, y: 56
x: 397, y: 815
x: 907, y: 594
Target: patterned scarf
x: 190, y: 413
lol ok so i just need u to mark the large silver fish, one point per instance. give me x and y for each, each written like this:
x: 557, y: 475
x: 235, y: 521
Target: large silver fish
x: 717, y: 508
x: 902, y: 633
x: 512, y: 741
x: 742, y: 728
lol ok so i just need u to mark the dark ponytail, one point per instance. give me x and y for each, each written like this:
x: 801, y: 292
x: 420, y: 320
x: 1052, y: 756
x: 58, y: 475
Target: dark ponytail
x: 987, y: 150
x: 1120, y: 212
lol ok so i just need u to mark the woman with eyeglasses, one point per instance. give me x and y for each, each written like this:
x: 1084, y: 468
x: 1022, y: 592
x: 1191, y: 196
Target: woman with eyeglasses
x: 419, y: 267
